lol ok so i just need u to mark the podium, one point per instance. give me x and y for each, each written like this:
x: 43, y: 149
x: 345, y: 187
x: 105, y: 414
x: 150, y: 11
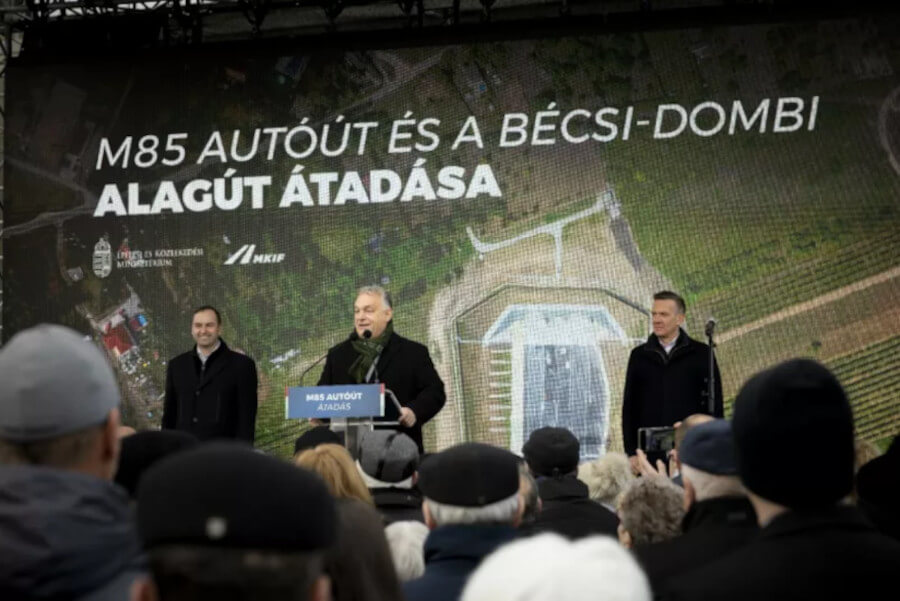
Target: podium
x: 351, y: 408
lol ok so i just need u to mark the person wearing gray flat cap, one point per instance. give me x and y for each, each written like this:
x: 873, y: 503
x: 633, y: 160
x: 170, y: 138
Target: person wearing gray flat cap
x: 66, y: 531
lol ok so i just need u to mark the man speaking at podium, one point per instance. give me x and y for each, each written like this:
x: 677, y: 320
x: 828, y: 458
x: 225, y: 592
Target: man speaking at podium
x: 375, y: 353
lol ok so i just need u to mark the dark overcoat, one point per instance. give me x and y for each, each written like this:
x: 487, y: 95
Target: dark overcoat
x: 405, y: 367
x: 824, y: 554
x: 661, y: 389
x: 451, y: 555
x: 711, y: 529
x: 569, y: 511
x: 217, y: 400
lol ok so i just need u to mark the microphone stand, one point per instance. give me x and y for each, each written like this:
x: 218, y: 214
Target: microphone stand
x: 711, y: 392
x: 308, y: 369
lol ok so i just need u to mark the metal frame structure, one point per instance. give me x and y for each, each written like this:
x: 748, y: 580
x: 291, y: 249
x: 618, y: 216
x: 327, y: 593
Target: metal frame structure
x: 197, y: 21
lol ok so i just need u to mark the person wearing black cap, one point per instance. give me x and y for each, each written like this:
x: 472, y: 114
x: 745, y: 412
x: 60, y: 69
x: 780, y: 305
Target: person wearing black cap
x: 667, y: 376
x: 375, y: 353
x: 211, y: 389
x: 793, y: 433
x: 224, y: 522
x: 66, y: 531
x: 552, y: 455
x: 143, y: 449
x: 316, y: 436
x: 472, y: 506
x: 387, y: 463
x: 719, y: 516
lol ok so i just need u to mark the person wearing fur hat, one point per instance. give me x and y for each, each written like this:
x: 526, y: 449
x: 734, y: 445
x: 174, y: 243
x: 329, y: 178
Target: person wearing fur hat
x: 793, y: 434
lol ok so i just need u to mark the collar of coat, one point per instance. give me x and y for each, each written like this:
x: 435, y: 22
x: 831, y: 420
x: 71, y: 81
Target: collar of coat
x: 220, y: 350
x: 564, y: 487
x: 730, y: 512
x: 683, y: 344
x: 466, y: 541
x: 797, y: 521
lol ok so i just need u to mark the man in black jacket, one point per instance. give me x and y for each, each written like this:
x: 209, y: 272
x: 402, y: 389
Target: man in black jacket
x: 375, y: 353
x: 211, y: 390
x: 667, y: 377
x: 793, y: 433
x: 552, y: 456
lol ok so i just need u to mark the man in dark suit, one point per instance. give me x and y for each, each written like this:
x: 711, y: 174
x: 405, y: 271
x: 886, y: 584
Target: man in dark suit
x: 793, y: 434
x: 667, y: 376
x: 211, y: 390
x: 375, y: 353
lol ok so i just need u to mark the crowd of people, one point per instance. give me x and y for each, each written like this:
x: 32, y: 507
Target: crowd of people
x: 780, y: 502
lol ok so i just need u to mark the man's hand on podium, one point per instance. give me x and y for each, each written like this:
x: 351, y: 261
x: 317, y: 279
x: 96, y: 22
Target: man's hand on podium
x: 407, y: 417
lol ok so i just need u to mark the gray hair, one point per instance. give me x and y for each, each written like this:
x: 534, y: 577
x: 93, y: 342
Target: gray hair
x: 407, y: 543
x: 378, y: 291
x: 503, y: 511
x: 711, y: 486
x: 606, y: 477
x: 651, y: 509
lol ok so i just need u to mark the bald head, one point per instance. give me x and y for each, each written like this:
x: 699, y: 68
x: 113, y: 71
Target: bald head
x: 685, y: 425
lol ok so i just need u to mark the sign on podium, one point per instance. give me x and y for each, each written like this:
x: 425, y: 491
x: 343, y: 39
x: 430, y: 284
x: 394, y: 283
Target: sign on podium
x: 329, y: 402
x: 350, y: 408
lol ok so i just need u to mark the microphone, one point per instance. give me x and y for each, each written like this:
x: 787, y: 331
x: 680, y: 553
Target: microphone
x: 710, y: 326
x: 367, y: 334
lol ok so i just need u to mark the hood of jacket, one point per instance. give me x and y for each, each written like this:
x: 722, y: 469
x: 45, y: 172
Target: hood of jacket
x: 63, y: 534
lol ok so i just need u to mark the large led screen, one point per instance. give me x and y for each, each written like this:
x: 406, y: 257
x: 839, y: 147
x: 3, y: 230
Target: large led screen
x: 522, y: 201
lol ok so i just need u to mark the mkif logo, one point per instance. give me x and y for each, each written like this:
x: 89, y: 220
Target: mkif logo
x: 247, y: 254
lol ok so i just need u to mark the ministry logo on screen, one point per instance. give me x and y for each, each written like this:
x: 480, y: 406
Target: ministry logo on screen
x: 247, y: 254
x: 102, y: 262
x: 125, y: 257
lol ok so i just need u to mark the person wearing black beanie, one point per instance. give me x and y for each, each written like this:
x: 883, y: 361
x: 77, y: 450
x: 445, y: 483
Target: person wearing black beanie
x: 793, y: 433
